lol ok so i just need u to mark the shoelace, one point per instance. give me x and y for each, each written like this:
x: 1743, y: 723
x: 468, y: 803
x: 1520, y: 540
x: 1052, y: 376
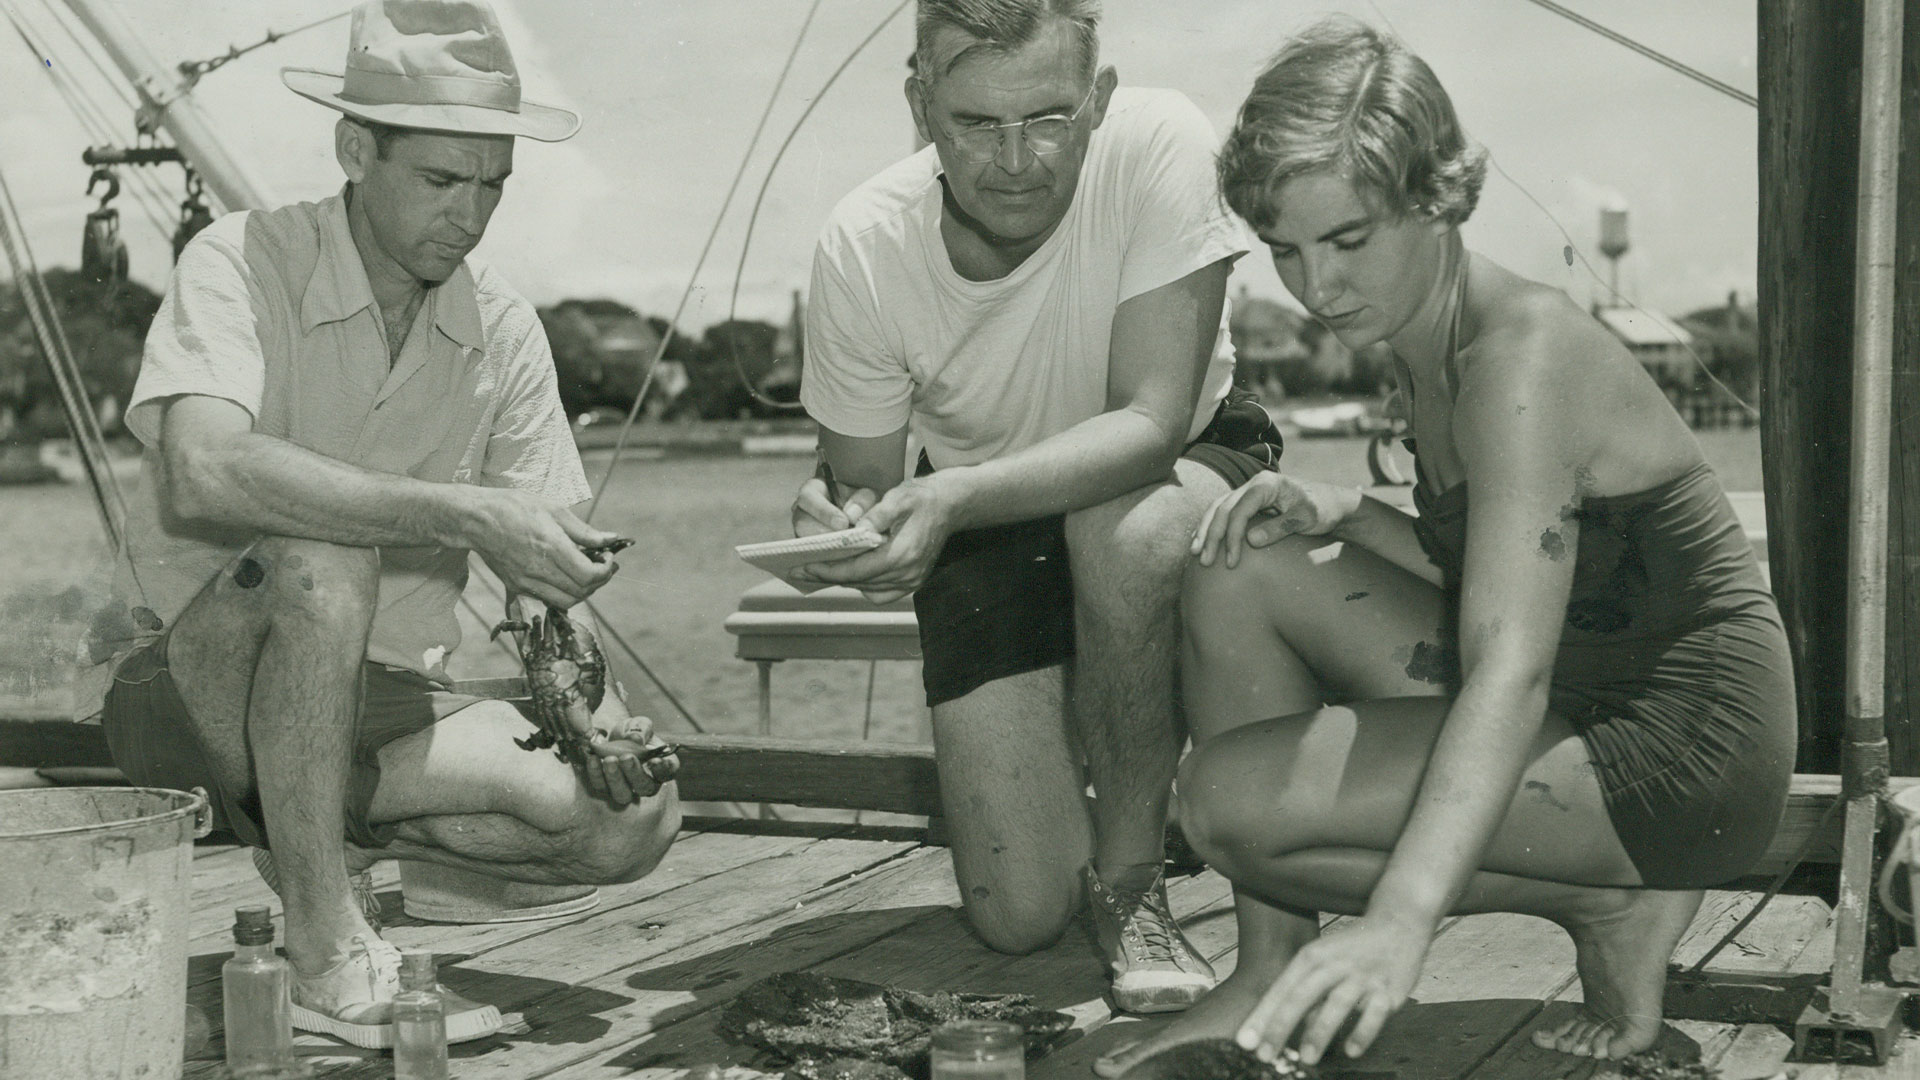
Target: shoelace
x: 1155, y: 934
x: 383, y: 963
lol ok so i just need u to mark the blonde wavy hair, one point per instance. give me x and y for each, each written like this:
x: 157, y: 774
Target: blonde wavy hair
x: 1342, y: 95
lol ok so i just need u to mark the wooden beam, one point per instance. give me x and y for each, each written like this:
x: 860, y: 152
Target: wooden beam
x: 1809, y: 66
x: 1809, y: 60
x: 897, y: 778
x: 893, y: 777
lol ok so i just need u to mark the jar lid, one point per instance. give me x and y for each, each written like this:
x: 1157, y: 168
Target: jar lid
x: 978, y: 1036
x: 253, y: 925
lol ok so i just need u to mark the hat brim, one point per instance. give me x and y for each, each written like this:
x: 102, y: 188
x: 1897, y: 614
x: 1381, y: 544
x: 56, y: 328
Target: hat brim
x: 542, y: 122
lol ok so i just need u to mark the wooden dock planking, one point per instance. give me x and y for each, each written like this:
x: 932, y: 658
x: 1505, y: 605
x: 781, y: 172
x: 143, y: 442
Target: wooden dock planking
x: 933, y: 952
x: 633, y: 989
x: 674, y: 993
x: 518, y: 970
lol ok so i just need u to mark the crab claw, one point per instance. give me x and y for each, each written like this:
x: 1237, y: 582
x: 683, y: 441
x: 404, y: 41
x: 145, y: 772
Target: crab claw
x: 518, y: 626
x: 599, y: 552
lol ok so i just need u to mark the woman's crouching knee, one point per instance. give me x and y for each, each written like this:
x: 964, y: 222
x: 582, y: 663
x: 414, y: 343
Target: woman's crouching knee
x: 1223, y: 818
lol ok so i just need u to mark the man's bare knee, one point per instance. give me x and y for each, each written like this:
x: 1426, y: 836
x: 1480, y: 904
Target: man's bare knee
x: 307, y: 581
x: 1139, y: 541
x: 616, y: 847
x: 1015, y: 924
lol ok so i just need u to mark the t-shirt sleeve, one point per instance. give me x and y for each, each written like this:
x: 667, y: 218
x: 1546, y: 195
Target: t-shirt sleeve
x: 205, y: 337
x: 1179, y: 221
x: 852, y: 382
x: 531, y: 445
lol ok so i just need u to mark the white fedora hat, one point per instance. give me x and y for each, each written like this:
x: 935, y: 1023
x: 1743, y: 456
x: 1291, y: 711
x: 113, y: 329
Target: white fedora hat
x: 441, y: 65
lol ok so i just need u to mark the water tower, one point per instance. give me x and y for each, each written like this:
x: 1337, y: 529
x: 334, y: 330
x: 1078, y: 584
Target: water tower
x: 1613, y: 243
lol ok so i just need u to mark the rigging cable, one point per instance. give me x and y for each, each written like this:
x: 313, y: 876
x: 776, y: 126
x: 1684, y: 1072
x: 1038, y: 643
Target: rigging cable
x: 143, y: 189
x: 127, y: 99
x: 95, y: 123
x: 193, y: 69
x: 666, y: 336
x: 1650, y: 53
x: 1573, y: 251
x: 140, y: 183
x: 55, y: 349
x: 746, y: 243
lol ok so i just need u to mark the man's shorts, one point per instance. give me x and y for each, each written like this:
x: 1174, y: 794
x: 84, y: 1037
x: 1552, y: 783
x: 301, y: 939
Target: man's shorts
x: 999, y: 601
x: 155, y: 743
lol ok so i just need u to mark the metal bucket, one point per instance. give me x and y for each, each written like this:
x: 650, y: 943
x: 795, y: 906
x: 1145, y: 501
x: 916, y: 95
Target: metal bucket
x: 1906, y: 851
x: 94, y: 898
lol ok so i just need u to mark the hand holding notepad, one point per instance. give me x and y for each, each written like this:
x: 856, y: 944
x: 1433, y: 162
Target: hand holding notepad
x: 781, y: 557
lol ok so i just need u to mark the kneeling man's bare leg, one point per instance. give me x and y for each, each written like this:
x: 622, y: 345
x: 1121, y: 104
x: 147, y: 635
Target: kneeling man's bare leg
x: 461, y: 794
x: 1013, y: 794
x: 1129, y: 556
x: 267, y: 659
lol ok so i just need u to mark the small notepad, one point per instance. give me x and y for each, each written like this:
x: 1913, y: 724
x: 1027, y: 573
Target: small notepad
x: 777, y: 557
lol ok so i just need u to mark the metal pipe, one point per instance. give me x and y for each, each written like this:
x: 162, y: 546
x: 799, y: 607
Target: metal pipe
x: 1864, y: 760
x: 169, y: 97
x: 1873, y: 314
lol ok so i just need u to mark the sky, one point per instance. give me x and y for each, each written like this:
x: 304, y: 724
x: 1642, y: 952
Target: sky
x: 671, y: 91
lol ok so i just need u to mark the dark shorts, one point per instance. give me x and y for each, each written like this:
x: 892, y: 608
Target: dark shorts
x: 999, y: 601
x: 156, y: 744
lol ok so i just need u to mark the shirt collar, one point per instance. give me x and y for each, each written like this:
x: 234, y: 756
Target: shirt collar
x: 338, y: 288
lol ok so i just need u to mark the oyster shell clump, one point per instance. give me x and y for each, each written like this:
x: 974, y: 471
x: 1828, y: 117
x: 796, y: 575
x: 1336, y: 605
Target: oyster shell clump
x: 814, y: 1020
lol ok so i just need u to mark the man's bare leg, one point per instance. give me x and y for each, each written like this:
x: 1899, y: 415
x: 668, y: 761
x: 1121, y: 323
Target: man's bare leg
x: 461, y: 794
x: 267, y: 659
x: 1128, y: 557
x: 1012, y: 791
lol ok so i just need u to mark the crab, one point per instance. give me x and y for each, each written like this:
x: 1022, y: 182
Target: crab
x: 566, y: 675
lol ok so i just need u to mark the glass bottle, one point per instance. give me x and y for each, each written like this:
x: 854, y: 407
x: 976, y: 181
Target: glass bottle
x: 979, y: 1050
x: 257, y: 986
x: 419, y: 1021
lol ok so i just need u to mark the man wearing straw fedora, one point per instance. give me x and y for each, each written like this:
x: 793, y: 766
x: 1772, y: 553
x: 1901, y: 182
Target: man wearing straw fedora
x: 337, y: 408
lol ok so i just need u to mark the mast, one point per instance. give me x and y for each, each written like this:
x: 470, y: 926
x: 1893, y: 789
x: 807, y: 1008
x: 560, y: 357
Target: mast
x: 168, y: 96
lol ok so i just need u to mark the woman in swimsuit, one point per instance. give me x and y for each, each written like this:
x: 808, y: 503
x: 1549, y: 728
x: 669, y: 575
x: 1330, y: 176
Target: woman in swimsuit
x: 1572, y: 701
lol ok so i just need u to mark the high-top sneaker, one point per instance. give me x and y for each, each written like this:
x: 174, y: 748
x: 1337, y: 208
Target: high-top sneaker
x: 1154, y: 966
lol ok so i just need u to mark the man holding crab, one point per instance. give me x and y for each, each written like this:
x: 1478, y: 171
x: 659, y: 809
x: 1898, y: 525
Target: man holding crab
x: 337, y: 408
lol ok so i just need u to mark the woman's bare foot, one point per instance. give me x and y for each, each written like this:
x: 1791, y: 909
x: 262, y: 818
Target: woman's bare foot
x: 1622, y: 943
x: 1215, y: 1016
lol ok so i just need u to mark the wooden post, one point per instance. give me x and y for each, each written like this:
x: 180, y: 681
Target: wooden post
x: 1809, y: 166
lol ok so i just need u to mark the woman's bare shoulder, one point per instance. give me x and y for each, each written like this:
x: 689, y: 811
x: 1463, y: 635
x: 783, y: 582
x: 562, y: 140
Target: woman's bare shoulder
x: 1518, y: 313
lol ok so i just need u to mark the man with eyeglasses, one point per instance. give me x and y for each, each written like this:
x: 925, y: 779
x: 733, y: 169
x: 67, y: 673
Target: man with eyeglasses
x: 1035, y: 302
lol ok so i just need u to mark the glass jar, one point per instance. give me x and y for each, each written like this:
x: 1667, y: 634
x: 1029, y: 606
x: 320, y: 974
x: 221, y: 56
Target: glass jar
x: 979, y: 1050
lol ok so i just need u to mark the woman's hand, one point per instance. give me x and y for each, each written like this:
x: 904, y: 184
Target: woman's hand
x: 1364, y: 973
x: 1267, y: 508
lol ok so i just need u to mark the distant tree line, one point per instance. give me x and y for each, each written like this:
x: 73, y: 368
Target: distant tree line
x: 600, y: 349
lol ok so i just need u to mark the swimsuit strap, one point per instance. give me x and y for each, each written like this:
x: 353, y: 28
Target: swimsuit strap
x: 1450, y: 369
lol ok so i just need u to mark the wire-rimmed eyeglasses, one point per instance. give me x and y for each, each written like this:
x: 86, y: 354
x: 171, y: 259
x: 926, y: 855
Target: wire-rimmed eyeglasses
x: 978, y: 144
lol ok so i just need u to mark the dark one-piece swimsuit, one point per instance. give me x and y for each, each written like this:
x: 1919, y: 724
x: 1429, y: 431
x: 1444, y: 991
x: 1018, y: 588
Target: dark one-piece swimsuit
x: 1672, y: 668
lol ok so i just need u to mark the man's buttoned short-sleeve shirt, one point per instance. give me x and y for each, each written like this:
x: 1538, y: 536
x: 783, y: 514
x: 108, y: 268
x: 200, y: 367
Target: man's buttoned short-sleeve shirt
x: 273, y: 312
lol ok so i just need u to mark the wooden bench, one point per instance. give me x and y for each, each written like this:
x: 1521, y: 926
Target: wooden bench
x: 776, y: 622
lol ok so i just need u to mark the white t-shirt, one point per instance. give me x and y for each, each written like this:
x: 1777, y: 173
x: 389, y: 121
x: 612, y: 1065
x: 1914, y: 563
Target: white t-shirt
x: 980, y: 369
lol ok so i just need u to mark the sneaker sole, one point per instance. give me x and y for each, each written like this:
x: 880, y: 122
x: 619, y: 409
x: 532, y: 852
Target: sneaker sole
x: 1158, y: 999
x: 462, y: 1027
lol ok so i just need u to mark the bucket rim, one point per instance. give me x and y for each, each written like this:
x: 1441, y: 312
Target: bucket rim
x: 194, y: 806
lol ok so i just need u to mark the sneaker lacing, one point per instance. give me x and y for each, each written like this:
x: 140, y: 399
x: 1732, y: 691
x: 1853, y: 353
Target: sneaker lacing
x: 1149, y: 926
